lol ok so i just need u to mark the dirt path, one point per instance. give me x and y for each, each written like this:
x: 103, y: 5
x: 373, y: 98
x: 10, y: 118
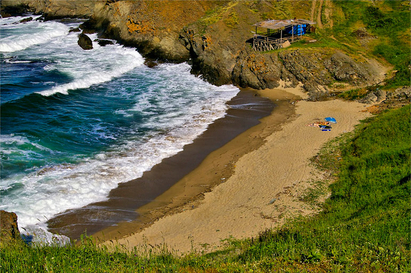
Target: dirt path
x: 328, y: 12
x: 314, y: 3
x: 316, y: 12
x: 319, y: 12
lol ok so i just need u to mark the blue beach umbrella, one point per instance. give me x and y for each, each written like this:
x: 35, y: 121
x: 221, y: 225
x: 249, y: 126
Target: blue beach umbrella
x: 330, y: 119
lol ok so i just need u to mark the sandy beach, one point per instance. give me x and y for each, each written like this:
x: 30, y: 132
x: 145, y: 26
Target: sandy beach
x: 257, y: 179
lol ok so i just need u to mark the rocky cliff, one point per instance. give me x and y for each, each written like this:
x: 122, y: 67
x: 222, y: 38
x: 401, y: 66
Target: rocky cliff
x: 214, y: 37
x: 9, y: 231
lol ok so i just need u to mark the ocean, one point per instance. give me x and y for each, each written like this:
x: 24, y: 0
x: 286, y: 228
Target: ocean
x: 76, y: 123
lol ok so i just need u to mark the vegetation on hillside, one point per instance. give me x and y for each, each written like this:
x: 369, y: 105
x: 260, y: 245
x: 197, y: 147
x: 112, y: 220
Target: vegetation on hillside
x: 388, y: 24
x: 371, y: 29
x: 364, y: 225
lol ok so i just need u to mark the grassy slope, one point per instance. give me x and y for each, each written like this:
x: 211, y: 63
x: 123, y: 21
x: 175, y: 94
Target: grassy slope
x: 388, y: 23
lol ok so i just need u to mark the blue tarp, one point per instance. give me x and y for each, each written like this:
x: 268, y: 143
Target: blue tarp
x: 298, y: 30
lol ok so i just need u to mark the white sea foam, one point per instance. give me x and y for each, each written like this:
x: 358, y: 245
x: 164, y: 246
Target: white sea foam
x: 91, y: 67
x: 182, y: 118
x: 39, y: 236
x: 32, y: 33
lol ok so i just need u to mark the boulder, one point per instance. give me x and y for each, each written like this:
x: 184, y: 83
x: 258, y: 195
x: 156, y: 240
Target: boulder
x: 85, y: 42
x: 9, y: 231
x: 103, y: 42
x: 286, y: 44
x: 345, y: 69
x: 370, y: 98
x: 402, y: 93
x: 25, y: 20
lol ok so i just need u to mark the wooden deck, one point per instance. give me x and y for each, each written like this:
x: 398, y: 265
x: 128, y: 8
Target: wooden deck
x: 265, y: 43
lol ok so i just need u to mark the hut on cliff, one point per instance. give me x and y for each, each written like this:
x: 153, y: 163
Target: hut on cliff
x: 280, y: 33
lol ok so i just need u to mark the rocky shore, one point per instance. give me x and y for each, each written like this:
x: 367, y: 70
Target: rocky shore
x: 214, y: 37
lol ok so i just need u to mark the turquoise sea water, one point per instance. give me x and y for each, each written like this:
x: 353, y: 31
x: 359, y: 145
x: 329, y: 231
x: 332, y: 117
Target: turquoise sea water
x: 76, y: 123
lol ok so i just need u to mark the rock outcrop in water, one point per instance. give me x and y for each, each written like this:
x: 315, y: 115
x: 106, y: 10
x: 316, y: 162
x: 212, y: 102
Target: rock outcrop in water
x: 85, y: 42
x: 213, y: 36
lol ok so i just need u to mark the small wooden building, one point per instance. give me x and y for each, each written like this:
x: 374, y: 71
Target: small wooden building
x: 284, y: 33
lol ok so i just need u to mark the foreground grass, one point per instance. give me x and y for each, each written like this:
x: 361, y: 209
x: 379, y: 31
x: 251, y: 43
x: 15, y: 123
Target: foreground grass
x: 364, y: 225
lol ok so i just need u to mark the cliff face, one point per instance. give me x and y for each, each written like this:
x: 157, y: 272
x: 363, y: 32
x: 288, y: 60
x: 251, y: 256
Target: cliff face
x: 213, y: 36
x: 56, y: 8
x: 9, y: 231
x: 318, y: 70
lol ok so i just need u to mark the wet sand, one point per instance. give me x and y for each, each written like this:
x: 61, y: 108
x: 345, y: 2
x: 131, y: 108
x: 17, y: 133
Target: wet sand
x: 214, y: 170
x: 258, y: 177
x: 135, y: 204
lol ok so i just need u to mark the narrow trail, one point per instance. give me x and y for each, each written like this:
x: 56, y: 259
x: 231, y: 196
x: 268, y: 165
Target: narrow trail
x: 314, y: 2
x: 316, y: 12
x: 319, y: 13
x: 328, y: 12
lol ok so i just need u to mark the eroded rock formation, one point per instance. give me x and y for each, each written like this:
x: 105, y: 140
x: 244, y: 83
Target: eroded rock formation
x: 9, y: 231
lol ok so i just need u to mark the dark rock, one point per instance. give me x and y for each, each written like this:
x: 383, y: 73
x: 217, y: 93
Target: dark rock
x: 402, y: 93
x: 95, y: 25
x: 370, y: 98
x: 307, y: 67
x: 151, y: 63
x: 381, y: 95
x: 346, y: 69
x: 258, y: 71
x: 9, y: 231
x: 25, y: 20
x: 85, y: 42
x: 105, y: 42
x: 7, y: 11
x: 75, y: 30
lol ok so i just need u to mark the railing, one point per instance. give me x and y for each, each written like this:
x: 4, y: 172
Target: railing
x: 265, y: 43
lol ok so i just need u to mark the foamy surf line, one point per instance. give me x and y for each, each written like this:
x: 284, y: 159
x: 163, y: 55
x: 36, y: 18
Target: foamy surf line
x: 41, y: 34
x: 119, y: 60
x: 123, y: 201
x: 55, y: 189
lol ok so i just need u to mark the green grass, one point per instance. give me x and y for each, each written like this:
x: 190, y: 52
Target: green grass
x: 389, y: 22
x: 364, y: 225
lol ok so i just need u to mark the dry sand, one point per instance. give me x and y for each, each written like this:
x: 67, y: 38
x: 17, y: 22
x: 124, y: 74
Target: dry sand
x: 263, y: 190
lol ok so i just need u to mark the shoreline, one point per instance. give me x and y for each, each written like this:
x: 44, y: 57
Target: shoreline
x: 268, y: 173
x: 124, y: 201
x: 213, y: 171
